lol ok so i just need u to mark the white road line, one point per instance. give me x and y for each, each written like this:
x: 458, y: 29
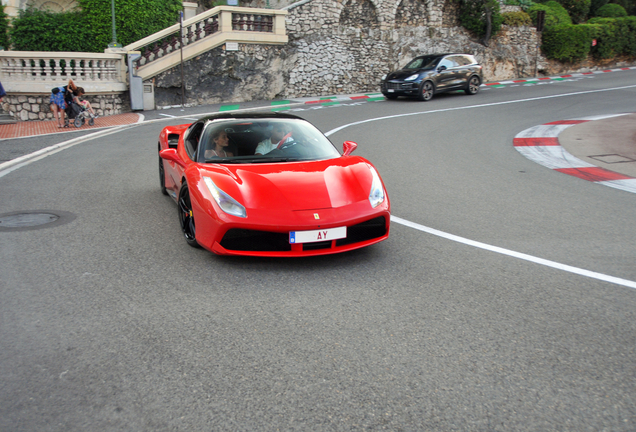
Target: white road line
x: 519, y: 255
x: 13, y: 165
x: 338, y: 129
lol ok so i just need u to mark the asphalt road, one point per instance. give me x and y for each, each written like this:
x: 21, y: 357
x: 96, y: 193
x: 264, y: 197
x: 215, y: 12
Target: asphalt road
x: 109, y: 321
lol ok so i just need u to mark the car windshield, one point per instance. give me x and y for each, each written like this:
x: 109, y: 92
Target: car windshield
x: 425, y: 62
x: 258, y: 140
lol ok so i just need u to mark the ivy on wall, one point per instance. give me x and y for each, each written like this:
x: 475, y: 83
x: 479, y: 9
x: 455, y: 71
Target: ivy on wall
x: 89, y: 29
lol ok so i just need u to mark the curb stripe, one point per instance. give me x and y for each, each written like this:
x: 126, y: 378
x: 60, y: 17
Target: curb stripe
x: 594, y: 174
x: 541, y: 144
x: 541, y: 141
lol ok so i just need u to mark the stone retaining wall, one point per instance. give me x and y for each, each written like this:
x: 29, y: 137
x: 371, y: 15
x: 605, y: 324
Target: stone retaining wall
x: 37, y: 107
x: 344, y: 46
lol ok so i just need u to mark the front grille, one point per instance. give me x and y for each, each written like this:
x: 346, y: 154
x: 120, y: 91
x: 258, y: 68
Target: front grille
x: 254, y: 241
x: 398, y: 86
x: 263, y: 241
x: 368, y: 230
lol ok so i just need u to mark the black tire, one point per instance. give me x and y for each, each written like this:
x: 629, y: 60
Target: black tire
x: 427, y: 90
x: 78, y: 122
x: 186, y: 219
x: 390, y: 96
x: 472, y: 88
x: 162, y: 176
x: 91, y: 122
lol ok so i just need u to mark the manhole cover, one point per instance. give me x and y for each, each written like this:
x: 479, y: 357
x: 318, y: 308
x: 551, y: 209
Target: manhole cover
x: 29, y: 220
x: 612, y: 158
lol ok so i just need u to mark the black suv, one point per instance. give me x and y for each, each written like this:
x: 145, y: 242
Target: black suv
x: 435, y: 73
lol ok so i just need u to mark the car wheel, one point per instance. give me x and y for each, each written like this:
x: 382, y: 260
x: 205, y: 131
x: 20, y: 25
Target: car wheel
x: 390, y: 96
x: 162, y: 176
x: 426, y: 91
x: 473, y: 85
x: 186, y: 219
x: 78, y: 122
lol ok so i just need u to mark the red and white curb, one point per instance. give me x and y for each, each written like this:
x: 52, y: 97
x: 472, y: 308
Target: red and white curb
x: 541, y: 145
x: 560, y: 77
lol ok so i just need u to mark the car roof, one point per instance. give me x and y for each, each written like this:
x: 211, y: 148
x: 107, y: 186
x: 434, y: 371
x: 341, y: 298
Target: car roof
x: 250, y: 115
x: 441, y: 54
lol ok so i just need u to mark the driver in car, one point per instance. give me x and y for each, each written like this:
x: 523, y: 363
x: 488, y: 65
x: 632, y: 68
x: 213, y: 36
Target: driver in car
x: 279, y: 130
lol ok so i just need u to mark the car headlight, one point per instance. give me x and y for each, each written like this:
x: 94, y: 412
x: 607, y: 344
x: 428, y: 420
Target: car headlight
x: 383, y: 77
x: 228, y: 204
x: 412, y: 77
x: 376, y: 196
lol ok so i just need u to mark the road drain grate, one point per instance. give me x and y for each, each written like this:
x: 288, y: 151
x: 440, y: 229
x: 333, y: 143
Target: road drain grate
x: 30, y: 220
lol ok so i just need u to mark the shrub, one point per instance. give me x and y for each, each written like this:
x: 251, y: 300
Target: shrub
x: 36, y: 30
x: 555, y: 14
x: 611, y: 10
x: 577, y: 9
x: 524, y: 4
x: 614, y: 36
x: 4, y: 26
x: 567, y: 43
x: 595, y: 5
x: 628, y: 5
x: 134, y: 19
x: 516, y: 19
x: 90, y: 29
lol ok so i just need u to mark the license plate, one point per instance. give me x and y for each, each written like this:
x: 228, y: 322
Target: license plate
x: 317, y: 235
x: 391, y: 90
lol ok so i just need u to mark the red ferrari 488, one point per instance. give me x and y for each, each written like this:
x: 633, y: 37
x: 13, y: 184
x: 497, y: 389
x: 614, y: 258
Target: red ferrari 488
x: 270, y: 185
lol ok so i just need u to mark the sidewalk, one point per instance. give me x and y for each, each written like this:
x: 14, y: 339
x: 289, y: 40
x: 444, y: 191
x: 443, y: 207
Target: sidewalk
x: 33, y: 128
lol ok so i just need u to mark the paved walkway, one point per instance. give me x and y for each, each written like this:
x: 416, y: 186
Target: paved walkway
x: 33, y: 128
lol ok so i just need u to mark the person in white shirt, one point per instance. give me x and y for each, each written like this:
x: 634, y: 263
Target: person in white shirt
x: 279, y: 130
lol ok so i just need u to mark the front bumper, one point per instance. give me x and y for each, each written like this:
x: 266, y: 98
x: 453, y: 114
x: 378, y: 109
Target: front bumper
x: 399, y: 88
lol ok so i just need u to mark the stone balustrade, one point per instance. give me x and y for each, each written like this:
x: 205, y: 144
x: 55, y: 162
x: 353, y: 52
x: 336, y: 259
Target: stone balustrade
x: 28, y: 77
x: 32, y: 72
x: 165, y: 49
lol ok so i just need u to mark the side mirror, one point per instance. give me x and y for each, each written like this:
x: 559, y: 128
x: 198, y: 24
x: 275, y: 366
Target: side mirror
x: 441, y: 68
x: 348, y: 147
x: 170, y: 154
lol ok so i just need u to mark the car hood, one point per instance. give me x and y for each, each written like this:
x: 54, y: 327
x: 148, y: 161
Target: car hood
x: 296, y: 186
x: 404, y: 73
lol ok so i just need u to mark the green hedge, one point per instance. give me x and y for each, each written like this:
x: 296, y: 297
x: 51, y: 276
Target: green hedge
x: 90, y: 28
x: 567, y: 43
x: 555, y: 14
x: 614, y: 36
x: 4, y: 26
x: 38, y: 30
x: 577, y: 9
x: 611, y: 10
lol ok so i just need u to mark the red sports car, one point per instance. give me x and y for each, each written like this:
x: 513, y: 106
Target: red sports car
x: 270, y: 185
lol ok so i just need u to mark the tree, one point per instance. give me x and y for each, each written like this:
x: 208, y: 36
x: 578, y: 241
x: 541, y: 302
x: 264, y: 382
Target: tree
x: 4, y: 27
x: 481, y: 17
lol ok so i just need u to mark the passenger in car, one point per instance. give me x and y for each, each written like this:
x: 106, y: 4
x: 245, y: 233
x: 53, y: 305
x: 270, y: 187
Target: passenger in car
x: 220, y: 141
x: 279, y: 130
